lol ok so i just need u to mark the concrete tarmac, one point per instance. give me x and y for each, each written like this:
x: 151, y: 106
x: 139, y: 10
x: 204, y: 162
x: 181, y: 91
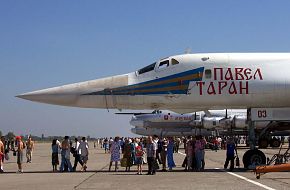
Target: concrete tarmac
x: 39, y: 175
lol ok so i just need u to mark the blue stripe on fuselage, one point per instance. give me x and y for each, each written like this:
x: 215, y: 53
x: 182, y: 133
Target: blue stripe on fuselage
x: 129, y: 90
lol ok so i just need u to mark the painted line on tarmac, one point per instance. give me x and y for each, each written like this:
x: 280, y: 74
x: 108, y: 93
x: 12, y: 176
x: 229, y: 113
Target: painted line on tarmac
x: 85, y: 180
x: 249, y: 180
x: 242, y: 177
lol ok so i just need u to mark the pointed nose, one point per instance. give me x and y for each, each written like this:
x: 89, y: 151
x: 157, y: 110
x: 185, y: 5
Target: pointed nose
x: 137, y: 122
x: 57, y: 95
x: 87, y: 94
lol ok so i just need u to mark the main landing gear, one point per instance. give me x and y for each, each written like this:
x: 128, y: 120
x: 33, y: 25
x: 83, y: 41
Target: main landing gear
x: 266, y: 139
x: 273, y: 142
x: 255, y: 157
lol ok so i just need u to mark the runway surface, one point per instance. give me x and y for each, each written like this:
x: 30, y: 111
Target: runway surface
x: 39, y: 175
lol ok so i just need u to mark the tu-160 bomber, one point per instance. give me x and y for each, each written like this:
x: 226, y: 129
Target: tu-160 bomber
x: 258, y: 82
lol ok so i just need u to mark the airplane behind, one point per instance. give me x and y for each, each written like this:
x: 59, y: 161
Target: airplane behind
x: 212, y: 123
x: 213, y: 119
x: 172, y: 132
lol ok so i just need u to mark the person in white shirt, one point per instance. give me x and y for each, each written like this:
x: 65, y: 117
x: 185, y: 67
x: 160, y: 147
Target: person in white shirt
x: 110, y: 142
x: 84, y: 152
x: 77, y: 154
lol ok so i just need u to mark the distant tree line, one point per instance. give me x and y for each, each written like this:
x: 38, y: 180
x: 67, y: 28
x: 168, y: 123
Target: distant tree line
x: 11, y: 136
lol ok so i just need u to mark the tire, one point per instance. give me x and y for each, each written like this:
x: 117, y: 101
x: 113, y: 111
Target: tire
x: 275, y: 143
x: 263, y: 143
x: 253, y: 158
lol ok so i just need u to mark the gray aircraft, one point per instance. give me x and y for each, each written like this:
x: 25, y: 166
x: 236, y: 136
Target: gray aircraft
x: 214, y: 122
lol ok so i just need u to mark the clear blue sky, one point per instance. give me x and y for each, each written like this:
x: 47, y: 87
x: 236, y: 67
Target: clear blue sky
x: 50, y: 43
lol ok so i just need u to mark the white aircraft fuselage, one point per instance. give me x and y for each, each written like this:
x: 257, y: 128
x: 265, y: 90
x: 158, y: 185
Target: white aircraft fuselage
x: 185, y: 83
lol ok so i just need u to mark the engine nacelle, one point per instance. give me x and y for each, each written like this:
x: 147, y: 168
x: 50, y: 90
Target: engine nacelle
x: 210, y: 122
x: 196, y: 123
x: 225, y: 123
x: 240, y: 122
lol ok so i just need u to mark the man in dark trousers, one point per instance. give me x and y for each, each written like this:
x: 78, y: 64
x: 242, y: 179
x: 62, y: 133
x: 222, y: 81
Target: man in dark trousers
x: 231, y: 149
x: 77, y: 154
x: 151, y: 148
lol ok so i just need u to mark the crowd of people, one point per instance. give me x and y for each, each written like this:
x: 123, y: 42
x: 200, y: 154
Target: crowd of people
x: 157, y: 153
x: 17, y: 146
x: 137, y: 151
x: 78, y: 149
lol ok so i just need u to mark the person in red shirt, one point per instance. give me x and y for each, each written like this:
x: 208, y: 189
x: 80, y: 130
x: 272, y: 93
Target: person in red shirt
x: 139, y: 157
x: 215, y: 144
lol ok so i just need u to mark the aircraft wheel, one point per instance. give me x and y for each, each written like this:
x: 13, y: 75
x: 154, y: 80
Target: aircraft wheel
x: 252, y: 158
x: 263, y: 143
x: 275, y: 143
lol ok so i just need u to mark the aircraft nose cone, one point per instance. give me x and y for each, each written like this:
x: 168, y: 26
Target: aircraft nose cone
x: 32, y: 96
x: 136, y: 122
x: 51, y: 96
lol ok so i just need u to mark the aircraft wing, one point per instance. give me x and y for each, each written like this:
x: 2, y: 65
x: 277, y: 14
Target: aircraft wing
x: 132, y: 113
x: 182, y: 111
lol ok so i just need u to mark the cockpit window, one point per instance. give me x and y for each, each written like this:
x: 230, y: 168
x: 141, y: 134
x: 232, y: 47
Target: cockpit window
x: 147, y: 68
x: 163, y: 64
x: 157, y: 112
x: 174, y: 62
x: 207, y: 73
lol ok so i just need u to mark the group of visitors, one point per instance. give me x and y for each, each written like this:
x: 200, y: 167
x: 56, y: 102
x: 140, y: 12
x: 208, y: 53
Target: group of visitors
x: 79, y: 150
x: 195, y: 152
x: 132, y: 150
x: 137, y: 151
x: 17, y: 146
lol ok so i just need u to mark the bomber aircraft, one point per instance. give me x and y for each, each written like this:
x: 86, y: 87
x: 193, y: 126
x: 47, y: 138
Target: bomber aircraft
x: 258, y: 82
x: 215, y: 123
